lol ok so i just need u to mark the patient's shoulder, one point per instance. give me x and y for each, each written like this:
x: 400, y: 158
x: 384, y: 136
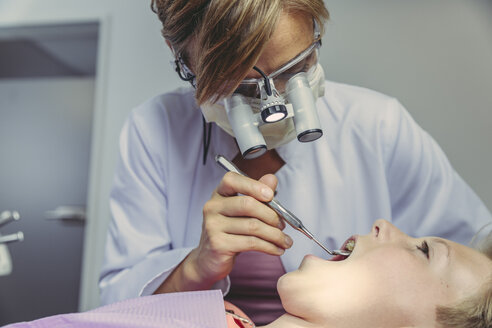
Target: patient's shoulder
x: 231, y: 321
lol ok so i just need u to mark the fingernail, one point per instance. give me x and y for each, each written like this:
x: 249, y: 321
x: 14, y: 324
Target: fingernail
x: 288, y: 240
x: 267, y: 192
x: 281, y: 225
x: 281, y: 250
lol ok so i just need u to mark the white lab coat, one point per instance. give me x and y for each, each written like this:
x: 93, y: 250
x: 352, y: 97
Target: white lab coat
x: 372, y: 162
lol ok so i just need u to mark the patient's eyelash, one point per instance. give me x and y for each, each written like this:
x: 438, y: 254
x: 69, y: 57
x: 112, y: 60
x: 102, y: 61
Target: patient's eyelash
x: 424, y: 247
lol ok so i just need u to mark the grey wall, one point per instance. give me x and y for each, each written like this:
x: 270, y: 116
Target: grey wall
x: 435, y: 56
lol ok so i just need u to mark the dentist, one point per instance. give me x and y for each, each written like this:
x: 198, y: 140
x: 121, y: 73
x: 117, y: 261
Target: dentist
x: 338, y: 156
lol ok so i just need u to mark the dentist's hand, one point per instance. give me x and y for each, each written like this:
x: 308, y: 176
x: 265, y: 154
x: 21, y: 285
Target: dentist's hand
x: 235, y: 220
x: 235, y: 223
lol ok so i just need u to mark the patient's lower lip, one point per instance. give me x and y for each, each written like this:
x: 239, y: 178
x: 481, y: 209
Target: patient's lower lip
x: 311, y: 256
x: 337, y: 258
x: 308, y: 258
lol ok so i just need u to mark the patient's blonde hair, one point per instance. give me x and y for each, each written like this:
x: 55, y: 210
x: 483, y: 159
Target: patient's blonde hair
x: 474, y: 311
x: 229, y: 35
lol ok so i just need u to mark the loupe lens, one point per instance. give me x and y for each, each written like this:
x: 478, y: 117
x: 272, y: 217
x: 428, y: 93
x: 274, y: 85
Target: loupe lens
x: 254, y: 152
x: 310, y: 135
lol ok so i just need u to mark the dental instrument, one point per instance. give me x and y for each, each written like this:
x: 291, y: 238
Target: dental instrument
x: 285, y: 214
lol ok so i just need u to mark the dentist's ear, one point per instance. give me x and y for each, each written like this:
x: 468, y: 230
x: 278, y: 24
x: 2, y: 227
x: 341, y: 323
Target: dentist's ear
x: 169, y: 45
x: 171, y: 48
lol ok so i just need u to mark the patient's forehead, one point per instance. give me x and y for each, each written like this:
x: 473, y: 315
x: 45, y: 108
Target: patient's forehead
x: 467, y: 270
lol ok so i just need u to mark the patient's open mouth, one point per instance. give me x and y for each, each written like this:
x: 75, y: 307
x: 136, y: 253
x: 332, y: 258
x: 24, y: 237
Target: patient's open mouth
x: 348, y: 245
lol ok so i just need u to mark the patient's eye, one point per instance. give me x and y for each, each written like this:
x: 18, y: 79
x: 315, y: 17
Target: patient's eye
x: 424, y: 247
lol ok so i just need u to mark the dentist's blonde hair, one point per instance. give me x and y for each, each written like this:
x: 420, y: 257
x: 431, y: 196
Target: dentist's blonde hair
x: 228, y: 36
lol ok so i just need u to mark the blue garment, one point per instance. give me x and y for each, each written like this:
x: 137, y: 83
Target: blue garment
x: 372, y: 162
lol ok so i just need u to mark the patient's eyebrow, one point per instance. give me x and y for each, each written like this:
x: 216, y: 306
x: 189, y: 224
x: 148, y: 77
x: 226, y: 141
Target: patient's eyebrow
x: 446, y: 245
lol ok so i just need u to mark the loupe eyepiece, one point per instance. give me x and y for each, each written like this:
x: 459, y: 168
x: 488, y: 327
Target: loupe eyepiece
x: 306, y: 121
x: 248, y: 136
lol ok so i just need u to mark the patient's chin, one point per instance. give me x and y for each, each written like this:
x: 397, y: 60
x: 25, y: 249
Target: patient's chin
x: 291, y: 283
x: 282, y: 284
x: 296, y: 299
x: 287, y: 289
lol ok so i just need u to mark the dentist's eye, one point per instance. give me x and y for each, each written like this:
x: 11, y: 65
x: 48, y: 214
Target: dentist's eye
x: 424, y: 247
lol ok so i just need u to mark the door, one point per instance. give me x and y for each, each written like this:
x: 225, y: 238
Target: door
x: 45, y: 130
x: 45, y: 137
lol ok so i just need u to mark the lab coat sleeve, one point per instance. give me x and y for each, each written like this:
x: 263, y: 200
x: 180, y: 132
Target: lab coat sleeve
x: 427, y: 195
x: 139, y: 250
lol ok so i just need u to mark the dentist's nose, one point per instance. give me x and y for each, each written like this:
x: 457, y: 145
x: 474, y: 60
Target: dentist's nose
x: 385, y: 231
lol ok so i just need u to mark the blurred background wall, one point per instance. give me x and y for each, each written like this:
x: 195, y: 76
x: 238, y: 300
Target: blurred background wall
x: 435, y: 56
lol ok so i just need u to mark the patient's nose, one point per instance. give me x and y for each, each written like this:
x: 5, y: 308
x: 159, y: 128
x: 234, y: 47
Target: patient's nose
x: 384, y: 230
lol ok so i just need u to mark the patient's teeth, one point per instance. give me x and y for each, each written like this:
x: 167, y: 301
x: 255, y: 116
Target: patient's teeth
x: 350, y: 245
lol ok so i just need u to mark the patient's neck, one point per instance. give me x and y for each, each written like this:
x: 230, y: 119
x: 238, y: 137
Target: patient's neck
x: 290, y: 321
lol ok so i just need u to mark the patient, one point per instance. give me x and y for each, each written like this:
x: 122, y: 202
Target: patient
x: 390, y: 280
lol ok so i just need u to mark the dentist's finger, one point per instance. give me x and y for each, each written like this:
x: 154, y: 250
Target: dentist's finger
x: 256, y: 228
x: 233, y: 184
x: 243, y: 206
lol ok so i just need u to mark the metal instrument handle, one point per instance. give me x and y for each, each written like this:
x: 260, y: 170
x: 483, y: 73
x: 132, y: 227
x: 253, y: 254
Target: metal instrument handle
x: 284, y: 213
x: 227, y: 165
x: 290, y: 218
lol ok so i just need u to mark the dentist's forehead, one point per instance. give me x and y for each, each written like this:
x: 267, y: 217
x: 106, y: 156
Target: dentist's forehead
x: 294, y: 34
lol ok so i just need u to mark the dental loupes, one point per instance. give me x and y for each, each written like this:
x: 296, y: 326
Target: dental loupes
x: 285, y: 214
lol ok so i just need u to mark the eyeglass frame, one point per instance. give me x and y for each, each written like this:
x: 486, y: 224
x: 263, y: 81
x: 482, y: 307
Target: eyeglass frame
x: 185, y: 73
x: 294, y: 61
x: 291, y: 63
